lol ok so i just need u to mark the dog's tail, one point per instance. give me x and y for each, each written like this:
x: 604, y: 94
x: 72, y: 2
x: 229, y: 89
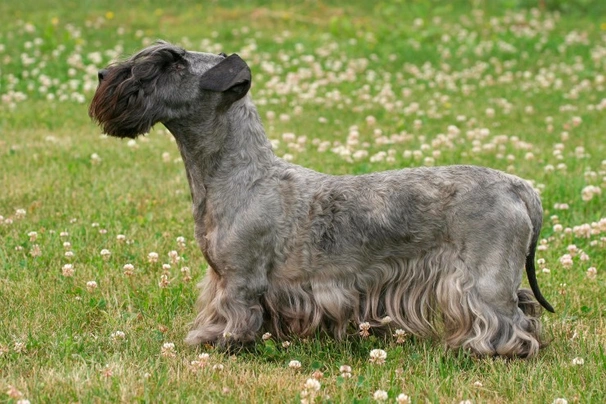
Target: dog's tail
x: 532, y: 278
x: 535, y: 211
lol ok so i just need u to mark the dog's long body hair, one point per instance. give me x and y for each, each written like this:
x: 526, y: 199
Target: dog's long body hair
x: 291, y: 251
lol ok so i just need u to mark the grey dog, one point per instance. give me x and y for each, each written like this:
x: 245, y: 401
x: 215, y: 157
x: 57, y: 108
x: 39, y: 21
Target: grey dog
x: 440, y: 251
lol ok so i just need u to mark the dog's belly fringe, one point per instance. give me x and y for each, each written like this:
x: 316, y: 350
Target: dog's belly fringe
x: 403, y: 289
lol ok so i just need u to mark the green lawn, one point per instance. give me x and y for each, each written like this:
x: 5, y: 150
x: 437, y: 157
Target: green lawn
x: 342, y: 88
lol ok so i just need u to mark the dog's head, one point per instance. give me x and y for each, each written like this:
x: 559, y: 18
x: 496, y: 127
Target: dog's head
x: 163, y: 83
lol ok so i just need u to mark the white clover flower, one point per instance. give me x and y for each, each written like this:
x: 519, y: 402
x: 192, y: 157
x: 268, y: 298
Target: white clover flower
x: 91, y: 286
x: 560, y: 401
x: 95, y: 159
x: 19, y: 347
x: 35, y: 251
x: 378, y: 356
x: 289, y: 137
x: 359, y: 155
x: 345, y: 371
x: 202, y: 361
x: 117, y: 336
x: 20, y: 213
x: 578, y: 361
x: 403, y: 399
x: 592, y: 272
x: 67, y: 270
x: 294, y: 364
x: 266, y: 336
x: 168, y: 350
x: 572, y: 249
x: 566, y: 261
x: 380, y: 395
x: 164, y: 281
x: 174, y: 257
x: 364, y: 327
x: 32, y: 236
x: 152, y: 257
x: 312, y: 384
x: 583, y: 231
x: 105, y: 254
x: 186, y: 274
x: 121, y: 238
x: 128, y: 269
x: 400, y: 335
x: 589, y: 192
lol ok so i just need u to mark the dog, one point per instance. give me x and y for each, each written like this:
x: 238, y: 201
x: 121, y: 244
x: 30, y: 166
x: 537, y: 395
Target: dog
x: 440, y: 251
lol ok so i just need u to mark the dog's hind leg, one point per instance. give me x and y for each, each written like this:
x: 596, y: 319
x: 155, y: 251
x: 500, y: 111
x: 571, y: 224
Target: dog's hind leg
x: 483, y: 308
x: 489, y: 315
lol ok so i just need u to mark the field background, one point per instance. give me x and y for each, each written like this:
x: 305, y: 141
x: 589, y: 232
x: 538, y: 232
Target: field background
x: 342, y: 87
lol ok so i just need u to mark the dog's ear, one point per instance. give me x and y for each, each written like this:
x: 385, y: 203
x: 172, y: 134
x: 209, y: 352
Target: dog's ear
x: 231, y: 75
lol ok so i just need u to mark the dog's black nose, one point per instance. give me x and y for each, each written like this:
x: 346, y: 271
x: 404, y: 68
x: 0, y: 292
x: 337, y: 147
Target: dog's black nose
x: 102, y: 73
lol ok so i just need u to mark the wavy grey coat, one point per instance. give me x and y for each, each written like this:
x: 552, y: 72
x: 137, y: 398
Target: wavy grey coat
x: 291, y: 251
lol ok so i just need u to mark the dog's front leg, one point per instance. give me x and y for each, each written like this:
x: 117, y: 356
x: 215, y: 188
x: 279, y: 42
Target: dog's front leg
x: 229, y: 308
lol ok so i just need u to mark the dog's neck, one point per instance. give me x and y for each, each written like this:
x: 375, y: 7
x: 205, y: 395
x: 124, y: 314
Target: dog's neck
x: 223, y: 158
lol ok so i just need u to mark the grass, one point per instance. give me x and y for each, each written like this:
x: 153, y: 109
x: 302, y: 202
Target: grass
x: 490, y: 83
